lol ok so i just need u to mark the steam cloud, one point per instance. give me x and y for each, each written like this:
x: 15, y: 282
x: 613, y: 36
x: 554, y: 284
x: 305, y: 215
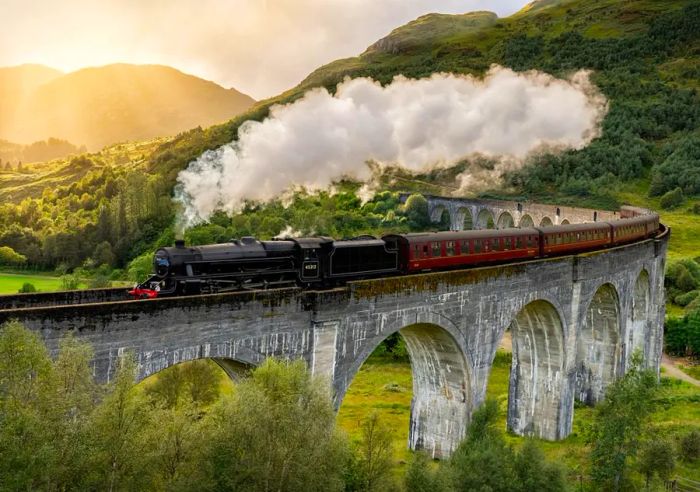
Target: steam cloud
x: 416, y: 124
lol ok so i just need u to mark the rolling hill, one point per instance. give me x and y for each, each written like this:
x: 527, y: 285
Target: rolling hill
x: 114, y: 103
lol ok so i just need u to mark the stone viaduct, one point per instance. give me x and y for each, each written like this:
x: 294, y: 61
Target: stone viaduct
x: 465, y: 213
x: 574, y: 321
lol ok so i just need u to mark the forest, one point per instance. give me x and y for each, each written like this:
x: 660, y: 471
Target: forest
x: 99, y: 216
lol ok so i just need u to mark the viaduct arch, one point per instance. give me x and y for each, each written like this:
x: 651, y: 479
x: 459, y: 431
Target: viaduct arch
x: 507, y: 214
x: 575, y: 320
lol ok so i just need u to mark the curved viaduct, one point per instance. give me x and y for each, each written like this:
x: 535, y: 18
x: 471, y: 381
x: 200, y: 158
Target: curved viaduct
x: 465, y: 213
x: 575, y: 322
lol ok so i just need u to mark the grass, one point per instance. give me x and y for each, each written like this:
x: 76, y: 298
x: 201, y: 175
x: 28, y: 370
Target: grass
x: 678, y: 410
x: 684, y: 224
x: 10, y: 283
x: 691, y: 370
x: 12, y: 280
x: 384, y: 387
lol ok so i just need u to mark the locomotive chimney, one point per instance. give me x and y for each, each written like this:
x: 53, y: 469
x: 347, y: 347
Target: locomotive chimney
x: 180, y: 243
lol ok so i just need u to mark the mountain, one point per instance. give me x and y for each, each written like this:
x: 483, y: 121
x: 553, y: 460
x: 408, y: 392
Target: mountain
x: 17, y: 82
x: 103, y: 105
x: 429, y: 28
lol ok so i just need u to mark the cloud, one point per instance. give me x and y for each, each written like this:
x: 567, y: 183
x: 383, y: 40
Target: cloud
x: 415, y: 124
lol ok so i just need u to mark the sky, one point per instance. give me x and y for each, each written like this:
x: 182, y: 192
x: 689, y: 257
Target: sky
x: 260, y: 47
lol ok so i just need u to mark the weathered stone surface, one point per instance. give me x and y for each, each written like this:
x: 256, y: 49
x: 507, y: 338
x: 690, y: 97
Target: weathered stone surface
x: 575, y: 322
x: 62, y: 298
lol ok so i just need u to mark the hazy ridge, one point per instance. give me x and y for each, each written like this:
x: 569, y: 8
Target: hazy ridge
x: 99, y: 106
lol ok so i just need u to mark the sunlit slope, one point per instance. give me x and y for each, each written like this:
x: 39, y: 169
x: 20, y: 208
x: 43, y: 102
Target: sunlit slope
x: 470, y: 43
x: 16, y: 85
x: 116, y: 103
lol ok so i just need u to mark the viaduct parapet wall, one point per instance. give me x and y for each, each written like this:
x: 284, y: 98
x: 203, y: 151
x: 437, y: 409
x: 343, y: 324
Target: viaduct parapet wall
x: 575, y: 322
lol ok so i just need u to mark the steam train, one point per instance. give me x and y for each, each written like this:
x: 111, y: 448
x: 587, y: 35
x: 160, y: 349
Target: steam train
x: 248, y: 263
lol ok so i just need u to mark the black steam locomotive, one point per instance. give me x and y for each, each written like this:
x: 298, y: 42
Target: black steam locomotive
x: 248, y: 263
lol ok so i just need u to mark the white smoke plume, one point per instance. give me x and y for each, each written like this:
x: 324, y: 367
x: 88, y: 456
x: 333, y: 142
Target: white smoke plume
x: 417, y: 124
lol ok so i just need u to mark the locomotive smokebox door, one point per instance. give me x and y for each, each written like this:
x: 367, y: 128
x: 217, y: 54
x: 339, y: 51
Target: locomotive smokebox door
x: 309, y: 270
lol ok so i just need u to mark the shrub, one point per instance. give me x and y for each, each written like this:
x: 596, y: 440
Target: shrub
x: 672, y: 199
x: 687, y: 298
x: 9, y: 256
x: 27, y: 288
x: 656, y: 458
x: 99, y: 281
x: 696, y: 208
x: 690, y: 445
x: 69, y: 282
x: 686, y: 282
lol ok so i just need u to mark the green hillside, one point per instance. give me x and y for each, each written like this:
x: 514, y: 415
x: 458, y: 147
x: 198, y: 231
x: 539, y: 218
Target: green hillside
x: 645, y: 57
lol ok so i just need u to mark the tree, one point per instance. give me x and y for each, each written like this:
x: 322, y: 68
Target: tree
x: 618, y: 425
x: 533, y: 472
x: 174, y: 440
x: 374, y: 460
x: 202, y: 379
x: 420, y: 478
x: 483, y: 460
x: 9, y: 256
x: 276, y: 432
x: 25, y: 375
x: 193, y: 382
x: 656, y: 457
x: 73, y: 399
x: 117, y: 428
x: 416, y: 210
x: 690, y: 445
x: 672, y: 199
x: 103, y: 254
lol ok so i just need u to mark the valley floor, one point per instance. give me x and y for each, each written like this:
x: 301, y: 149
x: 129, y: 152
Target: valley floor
x: 10, y: 283
x: 384, y: 386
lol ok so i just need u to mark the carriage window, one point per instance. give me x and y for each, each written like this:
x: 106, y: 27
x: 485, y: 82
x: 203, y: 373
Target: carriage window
x: 507, y: 244
x: 425, y: 251
x: 464, y: 248
x: 529, y: 241
x: 437, y: 249
x: 487, y: 245
x: 496, y: 244
x: 416, y: 251
x: 477, y: 246
x: 450, y: 248
x: 519, y: 243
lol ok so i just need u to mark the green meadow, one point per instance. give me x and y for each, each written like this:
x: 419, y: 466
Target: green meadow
x: 384, y: 386
x: 684, y: 224
x: 10, y: 283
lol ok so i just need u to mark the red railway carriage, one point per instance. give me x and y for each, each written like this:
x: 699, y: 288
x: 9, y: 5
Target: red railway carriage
x: 574, y: 237
x: 626, y: 230
x: 441, y: 250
